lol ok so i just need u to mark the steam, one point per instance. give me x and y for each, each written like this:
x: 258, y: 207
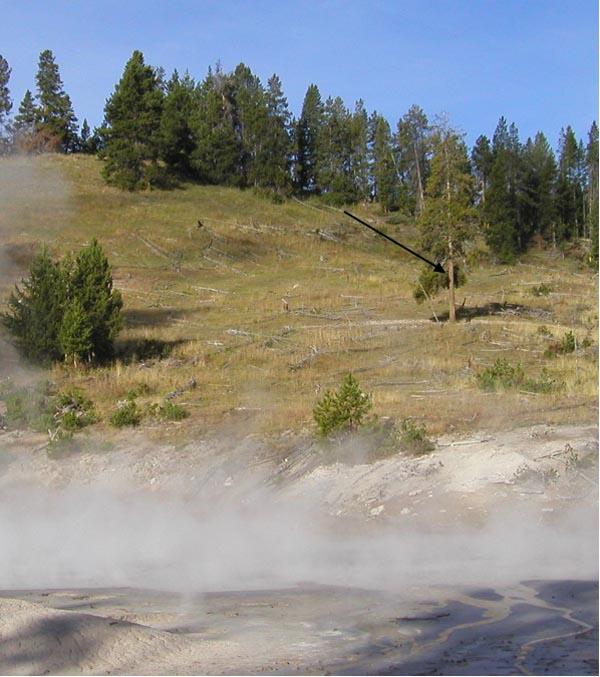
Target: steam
x: 97, y: 536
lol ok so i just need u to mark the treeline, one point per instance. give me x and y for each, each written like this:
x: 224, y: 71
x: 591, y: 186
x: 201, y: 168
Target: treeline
x: 230, y: 129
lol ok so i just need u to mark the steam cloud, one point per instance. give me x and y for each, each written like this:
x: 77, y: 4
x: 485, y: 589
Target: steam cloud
x: 95, y: 536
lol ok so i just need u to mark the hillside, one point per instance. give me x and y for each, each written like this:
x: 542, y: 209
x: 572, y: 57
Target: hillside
x: 205, y: 303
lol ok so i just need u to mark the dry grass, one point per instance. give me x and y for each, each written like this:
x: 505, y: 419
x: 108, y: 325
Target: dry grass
x: 212, y: 298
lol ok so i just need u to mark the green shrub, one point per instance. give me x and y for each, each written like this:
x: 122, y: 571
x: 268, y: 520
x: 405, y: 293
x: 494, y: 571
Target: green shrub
x: 127, y: 413
x: 65, y: 309
x: 30, y: 407
x: 501, y: 375
x: 565, y: 346
x: 74, y: 410
x: 544, y: 384
x: 172, y: 412
x: 413, y: 438
x: 542, y: 290
x: 344, y: 410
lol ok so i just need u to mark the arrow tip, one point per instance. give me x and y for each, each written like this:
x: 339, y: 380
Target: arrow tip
x: 438, y: 268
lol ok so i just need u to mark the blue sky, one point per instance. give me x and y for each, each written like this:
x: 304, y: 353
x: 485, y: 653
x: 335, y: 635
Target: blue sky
x: 533, y: 61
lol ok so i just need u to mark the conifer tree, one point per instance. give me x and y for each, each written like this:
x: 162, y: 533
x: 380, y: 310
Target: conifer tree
x: 591, y: 158
x: 539, y: 184
x: 570, y: 188
x: 91, y: 286
x: 5, y: 105
x: 335, y: 152
x: 35, y: 310
x: 274, y: 156
x: 308, y: 132
x: 446, y: 223
x: 75, y: 334
x: 359, y: 134
x: 503, y: 212
x: 23, y: 128
x: 132, y: 127
x: 412, y: 150
x: 482, y: 158
x: 176, y: 135
x: 385, y: 180
x: 56, y: 126
x: 216, y: 156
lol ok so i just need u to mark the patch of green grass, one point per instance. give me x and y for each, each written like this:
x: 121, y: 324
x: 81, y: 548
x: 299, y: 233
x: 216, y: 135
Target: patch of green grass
x: 127, y: 413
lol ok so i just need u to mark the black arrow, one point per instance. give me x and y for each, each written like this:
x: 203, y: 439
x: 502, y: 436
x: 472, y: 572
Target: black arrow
x: 437, y: 267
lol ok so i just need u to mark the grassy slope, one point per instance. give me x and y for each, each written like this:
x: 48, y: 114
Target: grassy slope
x: 262, y: 367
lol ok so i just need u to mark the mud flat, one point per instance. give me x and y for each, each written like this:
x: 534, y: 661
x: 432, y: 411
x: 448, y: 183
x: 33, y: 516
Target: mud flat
x: 479, y: 558
x: 535, y: 627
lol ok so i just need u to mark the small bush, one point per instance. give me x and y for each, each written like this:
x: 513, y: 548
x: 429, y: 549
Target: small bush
x: 565, y: 346
x: 140, y: 389
x: 544, y: 384
x: 344, y: 410
x: 74, y: 410
x: 542, y: 290
x: 173, y: 412
x: 501, y: 375
x: 127, y: 413
x: 29, y: 407
x: 413, y: 438
x: 544, y: 331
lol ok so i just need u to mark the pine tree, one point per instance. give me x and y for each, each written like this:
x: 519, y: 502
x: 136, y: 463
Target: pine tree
x: 132, y: 128
x: 591, y: 158
x: 23, y: 128
x: 335, y: 153
x: 90, y: 285
x: 446, y: 223
x: 384, y: 178
x: 5, y: 105
x: 570, y: 189
x: 75, y: 334
x: 482, y: 158
x: 307, y: 135
x: 539, y: 187
x: 176, y: 135
x: 359, y: 135
x: 273, y: 161
x: 56, y: 127
x: 216, y: 158
x: 35, y: 310
x: 503, y: 206
x: 412, y: 150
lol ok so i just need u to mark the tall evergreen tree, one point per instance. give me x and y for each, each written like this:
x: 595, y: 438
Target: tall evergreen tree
x: 250, y: 117
x: 570, y: 189
x: 23, y: 128
x: 446, y: 223
x: 539, y: 188
x: 177, y: 138
x: 273, y: 161
x: 359, y: 133
x: 132, y: 131
x: 216, y: 157
x: 75, y: 333
x: 90, y: 285
x: 35, y: 310
x: 591, y: 158
x: 482, y: 158
x: 56, y: 124
x: 412, y: 150
x: 308, y: 133
x: 5, y: 105
x: 384, y: 178
x: 335, y: 151
x: 503, y: 199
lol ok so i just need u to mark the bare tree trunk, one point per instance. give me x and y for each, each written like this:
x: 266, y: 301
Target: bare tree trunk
x: 451, y: 294
x: 419, y: 180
